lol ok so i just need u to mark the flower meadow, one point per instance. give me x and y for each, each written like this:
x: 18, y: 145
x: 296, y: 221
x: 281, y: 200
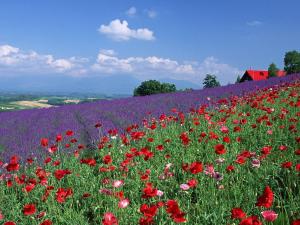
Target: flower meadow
x: 234, y: 162
x: 21, y: 131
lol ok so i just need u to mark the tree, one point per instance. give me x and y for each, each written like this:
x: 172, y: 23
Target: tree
x: 167, y: 88
x: 272, y: 70
x: 210, y: 81
x: 292, y: 62
x: 153, y: 87
x: 238, y: 79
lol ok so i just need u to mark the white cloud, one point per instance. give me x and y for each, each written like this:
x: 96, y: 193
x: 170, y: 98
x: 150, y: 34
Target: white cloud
x: 254, y: 23
x: 223, y: 71
x: 151, y: 13
x: 109, y: 52
x: 119, y: 31
x: 131, y: 12
x: 154, y: 67
x: 16, y: 60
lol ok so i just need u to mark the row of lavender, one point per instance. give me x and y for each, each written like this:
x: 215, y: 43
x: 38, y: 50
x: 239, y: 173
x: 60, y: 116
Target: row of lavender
x: 21, y: 131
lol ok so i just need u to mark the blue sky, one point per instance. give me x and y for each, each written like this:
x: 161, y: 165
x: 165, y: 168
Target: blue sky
x: 180, y: 40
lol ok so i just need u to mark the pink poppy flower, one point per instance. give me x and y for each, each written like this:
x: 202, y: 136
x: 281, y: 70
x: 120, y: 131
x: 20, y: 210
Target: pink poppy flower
x: 269, y: 215
x: 123, y: 203
x: 184, y: 187
x: 117, y: 183
x: 159, y: 193
x: 255, y: 163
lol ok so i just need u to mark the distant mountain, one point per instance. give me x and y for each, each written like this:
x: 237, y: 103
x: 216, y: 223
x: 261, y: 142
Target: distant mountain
x: 108, y: 85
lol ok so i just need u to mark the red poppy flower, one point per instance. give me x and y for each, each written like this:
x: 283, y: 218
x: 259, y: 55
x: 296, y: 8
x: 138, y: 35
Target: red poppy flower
x: 98, y: 125
x: 148, y: 211
x: 13, y: 164
x: 58, y: 138
x: 59, y: 174
x: 149, y: 191
x: 296, y: 222
x: 29, y: 209
x: 298, y: 167
x: 176, y: 214
x: 69, y: 132
x: 62, y: 194
x: 46, y: 222
x: 220, y: 149
x: 109, y: 219
x: 230, y: 168
x: 44, y: 142
x: 160, y: 147
x: 185, y: 138
x: 287, y: 165
x: 237, y: 213
x: 9, y: 223
x: 192, y: 183
x: 196, y: 167
x: 107, y: 159
x: 146, y: 221
x: 88, y: 161
x: 251, y: 220
x: 266, y: 199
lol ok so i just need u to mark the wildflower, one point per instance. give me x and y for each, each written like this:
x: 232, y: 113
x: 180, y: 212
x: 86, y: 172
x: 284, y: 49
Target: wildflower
x: 192, y: 183
x: 62, y: 194
x: 149, y: 191
x: 44, y: 142
x: 9, y: 223
x: 117, y: 183
x: 220, y: 160
x: 269, y: 215
x: 160, y: 193
x: 29, y: 209
x: 196, y: 167
x: 123, y: 203
x: 109, y: 219
x: 69, y: 133
x: 287, y: 165
x: 13, y: 164
x: 230, y: 168
x: 148, y: 211
x: 209, y: 170
x: 255, y: 163
x: 59, y: 174
x: 220, y: 149
x: 107, y: 159
x: 237, y: 213
x: 176, y: 214
x: 296, y: 222
x: 58, y: 138
x: 184, y: 187
x: 266, y: 199
x: 251, y: 220
x: 46, y: 222
x: 218, y: 176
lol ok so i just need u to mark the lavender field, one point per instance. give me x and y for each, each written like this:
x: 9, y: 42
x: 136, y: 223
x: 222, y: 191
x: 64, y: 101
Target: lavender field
x: 21, y: 131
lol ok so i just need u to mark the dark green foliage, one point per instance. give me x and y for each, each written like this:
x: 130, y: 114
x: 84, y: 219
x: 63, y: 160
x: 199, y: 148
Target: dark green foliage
x: 210, y: 81
x: 272, y: 70
x: 238, y: 79
x: 151, y: 87
x: 292, y: 62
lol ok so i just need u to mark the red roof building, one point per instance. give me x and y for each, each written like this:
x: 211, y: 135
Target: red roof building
x: 259, y: 75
